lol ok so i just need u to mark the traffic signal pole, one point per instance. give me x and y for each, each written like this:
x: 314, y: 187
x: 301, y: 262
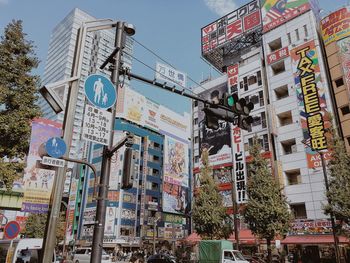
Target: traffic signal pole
x: 97, y: 242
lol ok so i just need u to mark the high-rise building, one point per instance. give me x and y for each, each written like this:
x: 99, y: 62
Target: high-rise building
x: 98, y: 46
x: 337, y: 46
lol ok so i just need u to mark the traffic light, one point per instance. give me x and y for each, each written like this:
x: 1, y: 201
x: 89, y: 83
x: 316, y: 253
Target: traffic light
x: 128, y: 169
x: 211, y: 118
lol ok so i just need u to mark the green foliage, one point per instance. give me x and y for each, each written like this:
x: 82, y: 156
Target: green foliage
x: 10, y: 171
x: 266, y: 211
x: 18, y: 94
x: 208, y: 213
x: 339, y: 179
x: 36, y: 223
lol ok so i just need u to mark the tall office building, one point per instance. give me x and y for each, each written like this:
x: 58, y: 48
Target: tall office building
x: 98, y: 46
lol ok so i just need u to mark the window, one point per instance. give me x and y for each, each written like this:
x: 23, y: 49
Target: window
x: 195, y: 121
x: 293, y: 177
x: 252, y: 80
x: 256, y: 121
x: 154, y: 187
x: 348, y: 139
x: 345, y: 110
x: 261, y: 98
x: 299, y: 211
x: 258, y: 74
x: 263, y: 120
x: 278, y: 67
x: 297, y: 34
x: 196, y: 159
x: 275, y: 45
x: 285, y: 118
x: 196, y: 139
x: 305, y: 31
x: 195, y: 103
x: 339, y: 82
x: 245, y: 83
x: 289, y: 146
x: 289, y: 39
x: 281, y: 92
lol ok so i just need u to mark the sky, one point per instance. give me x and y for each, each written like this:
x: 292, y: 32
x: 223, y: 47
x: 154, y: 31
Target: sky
x: 170, y: 29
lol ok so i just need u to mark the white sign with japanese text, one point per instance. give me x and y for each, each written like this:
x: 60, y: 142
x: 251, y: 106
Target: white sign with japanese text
x: 168, y: 74
x: 52, y: 161
x: 97, y: 125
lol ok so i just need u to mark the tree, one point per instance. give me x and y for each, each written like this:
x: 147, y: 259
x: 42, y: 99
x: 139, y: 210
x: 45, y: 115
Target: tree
x: 18, y: 94
x: 208, y: 213
x: 266, y: 211
x: 36, y: 223
x: 339, y: 179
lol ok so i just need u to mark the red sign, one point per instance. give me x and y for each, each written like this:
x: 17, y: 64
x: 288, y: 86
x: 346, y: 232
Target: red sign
x: 232, y: 75
x: 277, y: 55
x: 12, y: 229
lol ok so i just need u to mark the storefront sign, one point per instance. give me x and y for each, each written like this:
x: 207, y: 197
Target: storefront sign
x: 336, y: 25
x: 277, y: 55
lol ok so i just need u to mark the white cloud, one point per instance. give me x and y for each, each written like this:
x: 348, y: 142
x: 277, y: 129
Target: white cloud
x: 221, y: 7
x: 4, y: 2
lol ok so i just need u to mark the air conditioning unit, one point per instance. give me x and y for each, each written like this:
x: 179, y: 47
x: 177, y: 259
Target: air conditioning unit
x: 294, y: 148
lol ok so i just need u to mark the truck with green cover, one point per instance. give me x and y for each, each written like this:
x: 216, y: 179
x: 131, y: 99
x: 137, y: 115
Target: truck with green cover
x: 219, y: 251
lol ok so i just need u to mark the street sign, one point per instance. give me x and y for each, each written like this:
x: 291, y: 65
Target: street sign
x: 100, y: 91
x: 12, y: 229
x: 55, y: 147
x: 53, y: 161
x: 168, y: 74
x: 97, y: 125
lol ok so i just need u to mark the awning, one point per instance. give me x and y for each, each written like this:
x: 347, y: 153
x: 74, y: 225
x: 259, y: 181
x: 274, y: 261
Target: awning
x: 314, y: 239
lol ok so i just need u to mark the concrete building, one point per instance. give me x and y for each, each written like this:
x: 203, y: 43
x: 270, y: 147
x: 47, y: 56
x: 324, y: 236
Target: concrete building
x: 337, y: 44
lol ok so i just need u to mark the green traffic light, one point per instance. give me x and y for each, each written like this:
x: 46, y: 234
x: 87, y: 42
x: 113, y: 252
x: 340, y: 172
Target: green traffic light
x: 230, y: 101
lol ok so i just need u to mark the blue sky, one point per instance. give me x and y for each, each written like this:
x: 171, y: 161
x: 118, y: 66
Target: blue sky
x: 169, y: 28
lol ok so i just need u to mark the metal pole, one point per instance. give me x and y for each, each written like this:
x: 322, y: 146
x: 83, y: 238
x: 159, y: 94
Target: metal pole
x: 97, y: 242
x: 336, y: 241
x: 154, y: 235
x: 49, y: 242
x: 235, y: 210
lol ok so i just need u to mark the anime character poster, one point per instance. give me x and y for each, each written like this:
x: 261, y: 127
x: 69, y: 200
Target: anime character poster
x: 176, y: 170
x: 175, y: 198
x: 37, y: 181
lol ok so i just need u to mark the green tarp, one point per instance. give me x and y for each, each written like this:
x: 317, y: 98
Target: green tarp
x: 210, y: 250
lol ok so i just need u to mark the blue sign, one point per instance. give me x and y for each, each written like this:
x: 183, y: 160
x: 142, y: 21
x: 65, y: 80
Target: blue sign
x: 55, y: 147
x: 100, y: 91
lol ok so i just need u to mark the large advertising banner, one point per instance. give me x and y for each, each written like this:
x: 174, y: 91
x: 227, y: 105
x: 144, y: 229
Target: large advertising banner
x: 38, y: 182
x: 336, y: 26
x: 174, y: 198
x: 226, y: 198
x: 143, y: 182
x: 232, y: 26
x: 216, y: 141
x: 277, y: 12
x: 311, y: 97
x: 344, y: 54
x: 176, y: 162
x: 71, y: 208
x: 110, y: 221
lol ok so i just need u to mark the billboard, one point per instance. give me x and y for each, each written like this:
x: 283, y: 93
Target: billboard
x: 311, y: 98
x: 277, y: 12
x: 217, y: 141
x: 174, y: 198
x: 136, y: 108
x: 344, y: 55
x: 176, y: 162
x: 336, y: 26
x: 232, y: 26
x: 110, y: 221
x: 37, y: 181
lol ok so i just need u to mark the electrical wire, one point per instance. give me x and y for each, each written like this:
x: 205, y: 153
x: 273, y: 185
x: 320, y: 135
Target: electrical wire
x: 159, y: 57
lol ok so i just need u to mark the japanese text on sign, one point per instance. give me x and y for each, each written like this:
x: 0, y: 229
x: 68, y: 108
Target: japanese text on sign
x: 52, y: 161
x: 233, y: 25
x: 144, y: 176
x: 336, y: 25
x: 167, y: 74
x: 97, y: 125
x: 277, y: 55
x: 311, y: 100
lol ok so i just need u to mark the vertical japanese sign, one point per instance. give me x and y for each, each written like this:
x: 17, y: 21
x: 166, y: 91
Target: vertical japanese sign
x: 71, y: 207
x: 277, y: 12
x: 37, y: 181
x: 311, y: 96
x: 239, y: 165
x: 144, y: 176
x: 232, y: 76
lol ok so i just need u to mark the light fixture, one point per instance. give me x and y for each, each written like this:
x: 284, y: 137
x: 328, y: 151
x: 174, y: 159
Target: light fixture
x: 52, y: 99
x: 129, y: 29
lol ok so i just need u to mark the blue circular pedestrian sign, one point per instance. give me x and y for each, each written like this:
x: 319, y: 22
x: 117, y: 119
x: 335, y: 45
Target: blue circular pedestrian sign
x: 100, y: 91
x: 55, y: 147
x: 12, y: 229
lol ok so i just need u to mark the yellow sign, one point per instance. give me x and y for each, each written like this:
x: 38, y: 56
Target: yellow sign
x: 336, y: 25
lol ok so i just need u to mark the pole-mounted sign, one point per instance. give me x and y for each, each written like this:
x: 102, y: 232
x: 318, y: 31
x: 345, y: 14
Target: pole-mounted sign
x: 55, y: 147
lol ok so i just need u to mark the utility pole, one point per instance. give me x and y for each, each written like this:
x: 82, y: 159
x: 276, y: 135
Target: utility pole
x: 235, y: 212
x: 154, y: 234
x: 97, y: 243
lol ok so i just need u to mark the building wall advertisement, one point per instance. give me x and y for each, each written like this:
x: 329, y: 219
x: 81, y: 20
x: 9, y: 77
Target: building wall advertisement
x: 37, y: 181
x: 174, y: 198
x: 277, y: 12
x: 143, y: 184
x: 237, y: 23
x: 110, y: 221
x: 311, y: 97
x: 336, y: 26
x: 176, y: 162
x: 344, y: 54
x: 217, y: 142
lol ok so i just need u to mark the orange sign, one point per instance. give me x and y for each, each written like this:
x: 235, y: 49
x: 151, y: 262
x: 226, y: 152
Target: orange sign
x: 336, y: 26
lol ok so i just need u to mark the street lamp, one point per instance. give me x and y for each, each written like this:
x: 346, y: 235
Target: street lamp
x: 324, y: 169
